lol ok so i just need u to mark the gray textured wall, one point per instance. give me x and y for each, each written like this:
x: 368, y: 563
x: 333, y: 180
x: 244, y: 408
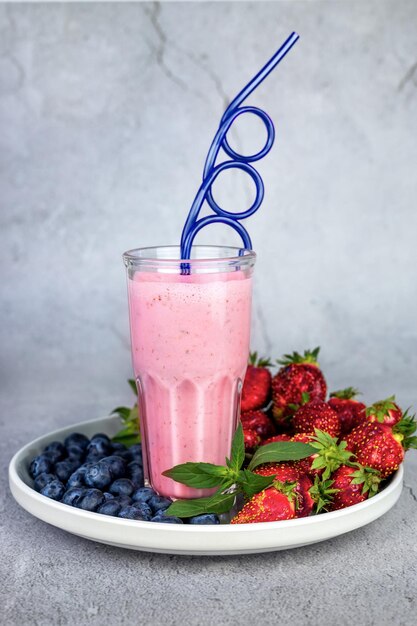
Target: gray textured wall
x: 106, y: 114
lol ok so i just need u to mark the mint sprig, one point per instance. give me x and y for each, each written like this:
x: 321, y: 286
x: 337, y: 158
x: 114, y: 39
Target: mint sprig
x: 230, y: 479
x: 130, y: 433
x: 281, y: 451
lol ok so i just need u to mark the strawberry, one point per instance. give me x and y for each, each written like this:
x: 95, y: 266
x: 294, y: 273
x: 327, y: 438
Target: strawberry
x: 277, y: 502
x: 257, y: 384
x: 276, y: 438
x: 289, y: 473
x: 316, y: 414
x: 300, y: 374
x: 381, y: 447
x: 351, y: 412
x: 352, y: 485
x: 251, y: 439
x: 259, y: 422
x: 329, y: 456
x: 385, y: 412
x: 285, y: 472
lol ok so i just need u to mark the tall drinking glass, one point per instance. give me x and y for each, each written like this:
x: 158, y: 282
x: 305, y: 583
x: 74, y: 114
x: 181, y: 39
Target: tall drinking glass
x: 190, y: 331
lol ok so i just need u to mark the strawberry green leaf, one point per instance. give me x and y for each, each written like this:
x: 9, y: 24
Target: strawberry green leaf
x: 281, y: 451
x: 305, y: 397
x: 199, y: 475
x: 346, y: 394
x: 259, y: 362
x: 237, y: 455
x: 309, y: 356
x: 218, y: 503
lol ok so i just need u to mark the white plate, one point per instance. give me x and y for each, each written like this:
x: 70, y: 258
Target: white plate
x: 185, y: 539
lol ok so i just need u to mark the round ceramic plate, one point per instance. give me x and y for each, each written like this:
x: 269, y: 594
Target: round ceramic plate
x: 185, y: 539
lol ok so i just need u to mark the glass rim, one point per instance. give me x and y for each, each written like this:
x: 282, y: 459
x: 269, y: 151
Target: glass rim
x: 242, y: 255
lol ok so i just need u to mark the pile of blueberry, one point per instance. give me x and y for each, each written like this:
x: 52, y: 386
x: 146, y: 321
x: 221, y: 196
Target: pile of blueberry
x: 104, y: 477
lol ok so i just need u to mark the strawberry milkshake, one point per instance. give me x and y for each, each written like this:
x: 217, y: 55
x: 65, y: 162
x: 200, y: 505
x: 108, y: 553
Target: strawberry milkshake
x: 190, y: 335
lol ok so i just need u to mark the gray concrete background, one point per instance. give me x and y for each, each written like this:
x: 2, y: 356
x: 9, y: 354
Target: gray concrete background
x: 106, y: 114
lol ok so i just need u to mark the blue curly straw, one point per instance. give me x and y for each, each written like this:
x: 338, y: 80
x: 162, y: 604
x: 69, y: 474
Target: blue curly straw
x: 193, y: 225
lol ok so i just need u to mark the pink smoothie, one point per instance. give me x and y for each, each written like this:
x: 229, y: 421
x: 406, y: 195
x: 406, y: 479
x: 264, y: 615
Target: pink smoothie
x: 190, y: 345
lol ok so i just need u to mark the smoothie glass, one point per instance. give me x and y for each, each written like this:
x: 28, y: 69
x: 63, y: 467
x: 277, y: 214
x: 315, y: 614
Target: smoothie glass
x: 190, y: 331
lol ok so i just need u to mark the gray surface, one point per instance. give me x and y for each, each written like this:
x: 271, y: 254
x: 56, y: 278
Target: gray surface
x: 106, y: 113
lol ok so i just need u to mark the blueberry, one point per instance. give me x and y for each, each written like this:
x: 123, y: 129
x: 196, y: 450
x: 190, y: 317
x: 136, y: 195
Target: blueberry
x: 130, y: 512
x: 137, y: 479
x: 92, y: 459
x: 108, y: 496
x: 55, y: 490
x: 58, y: 449
x: 116, y: 464
x: 134, y: 466
x: 122, y: 487
x: 75, y: 453
x: 206, y: 518
x: 100, y: 445
x: 64, y: 469
x: 168, y: 519
x: 136, y: 453
x: 72, y: 496
x: 111, y: 507
x: 42, y: 480
x: 144, y: 509
x: 123, y: 500
x: 144, y: 494
x: 77, y: 478
x: 98, y: 475
x: 53, y: 456
x: 100, y: 437
x: 125, y: 454
x: 76, y: 439
x: 90, y: 500
x: 39, y: 465
x: 98, y: 449
x: 159, y: 503
x: 118, y: 446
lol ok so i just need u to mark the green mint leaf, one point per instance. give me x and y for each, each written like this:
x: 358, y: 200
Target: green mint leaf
x: 128, y: 439
x: 132, y: 384
x: 237, y: 455
x: 199, y: 475
x: 281, y: 451
x: 218, y: 503
x: 122, y: 411
x: 251, y: 483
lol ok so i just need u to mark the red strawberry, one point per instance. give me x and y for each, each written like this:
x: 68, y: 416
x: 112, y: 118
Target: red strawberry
x: 259, y: 422
x: 270, y: 505
x: 351, y: 412
x: 385, y: 412
x: 305, y: 502
x: 251, y: 439
x: 285, y: 472
x: 329, y: 456
x: 276, y: 438
x: 377, y: 446
x: 318, y: 415
x: 289, y: 473
x: 300, y: 375
x: 257, y: 384
x: 352, y: 485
